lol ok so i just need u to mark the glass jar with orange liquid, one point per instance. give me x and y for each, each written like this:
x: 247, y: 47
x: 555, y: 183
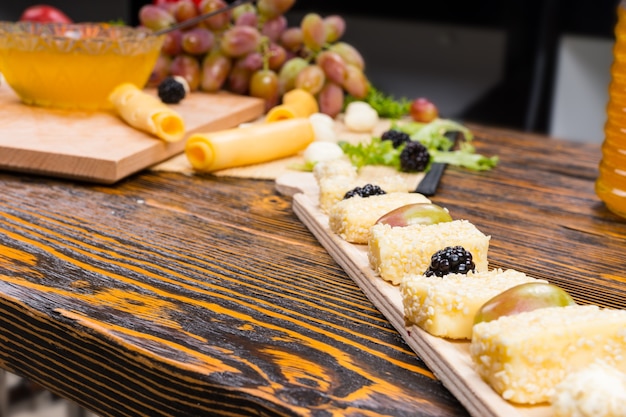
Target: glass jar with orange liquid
x: 611, y: 183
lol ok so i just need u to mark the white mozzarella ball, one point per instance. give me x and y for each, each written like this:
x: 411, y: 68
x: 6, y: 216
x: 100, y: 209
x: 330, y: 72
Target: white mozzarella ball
x: 323, y: 127
x: 360, y: 118
x: 319, y: 151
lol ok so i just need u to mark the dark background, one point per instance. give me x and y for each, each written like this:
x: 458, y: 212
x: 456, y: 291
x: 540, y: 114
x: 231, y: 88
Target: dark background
x: 521, y: 98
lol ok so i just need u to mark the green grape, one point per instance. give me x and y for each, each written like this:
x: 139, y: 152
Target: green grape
x: 264, y: 84
x: 292, y: 39
x: 333, y: 65
x: 197, y: 41
x: 331, y: 98
x: 313, y: 31
x: 277, y: 56
x: 239, y: 77
x: 215, y: 69
x: 417, y: 213
x: 155, y: 18
x: 289, y: 71
x: 184, y: 10
x: 219, y: 21
x: 172, y: 43
x: 188, y: 67
x: 335, y: 28
x: 269, y: 9
x: 273, y: 28
x: 356, y: 83
x: 349, y: 54
x: 238, y: 41
x: 310, y: 78
x: 160, y: 71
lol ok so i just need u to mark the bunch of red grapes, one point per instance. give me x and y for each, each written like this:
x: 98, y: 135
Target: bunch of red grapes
x: 252, y: 50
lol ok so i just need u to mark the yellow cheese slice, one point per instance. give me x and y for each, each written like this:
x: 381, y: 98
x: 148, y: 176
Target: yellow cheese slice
x: 252, y: 144
x: 146, y: 112
x: 296, y: 103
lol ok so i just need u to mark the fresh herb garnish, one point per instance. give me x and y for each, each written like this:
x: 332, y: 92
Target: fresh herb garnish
x: 433, y: 136
x: 387, y: 106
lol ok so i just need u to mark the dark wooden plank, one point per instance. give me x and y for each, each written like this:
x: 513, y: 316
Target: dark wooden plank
x: 174, y: 295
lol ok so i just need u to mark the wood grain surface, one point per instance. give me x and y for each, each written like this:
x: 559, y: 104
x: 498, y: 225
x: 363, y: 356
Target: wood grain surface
x: 175, y: 295
x: 168, y: 294
x: 99, y: 146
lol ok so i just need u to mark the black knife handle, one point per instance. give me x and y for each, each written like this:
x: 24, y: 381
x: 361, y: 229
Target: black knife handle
x: 428, y: 185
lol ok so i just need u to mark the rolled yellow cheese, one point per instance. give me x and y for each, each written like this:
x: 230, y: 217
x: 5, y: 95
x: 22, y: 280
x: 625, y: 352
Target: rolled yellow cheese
x: 296, y: 103
x: 252, y: 144
x: 146, y: 112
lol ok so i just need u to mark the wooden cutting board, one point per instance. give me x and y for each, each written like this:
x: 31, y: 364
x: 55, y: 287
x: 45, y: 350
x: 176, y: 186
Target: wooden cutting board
x: 99, y: 146
x: 449, y: 360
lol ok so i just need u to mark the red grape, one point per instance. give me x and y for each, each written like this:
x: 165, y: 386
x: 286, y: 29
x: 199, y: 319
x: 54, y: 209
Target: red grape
x: 215, y: 69
x: 184, y: 10
x: 247, y: 19
x: 349, y: 54
x: 188, y: 67
x: 277, y: 56
x: 423, y: 110
x: 273, y: 28
x: 292, y: 39
x: 172, y: 43
x: 160, y: 71
x: 356, y: 84
x: 335, y: 28
x: 238, y: 41
x: 155, y: 17
x: 219, y: 21
x: 313, y: 31
x: 311, y: 78
x: 333, y: 65
x: 331, y: 99
x: 197, y: 41
x: 239, y: 78
x: 272, y: 8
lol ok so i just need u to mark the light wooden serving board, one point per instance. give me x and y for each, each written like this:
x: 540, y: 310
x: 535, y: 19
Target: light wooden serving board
x: 99, y: 146
x: 449, y: 360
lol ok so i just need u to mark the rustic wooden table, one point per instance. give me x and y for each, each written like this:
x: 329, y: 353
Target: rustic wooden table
x: 174, y: 295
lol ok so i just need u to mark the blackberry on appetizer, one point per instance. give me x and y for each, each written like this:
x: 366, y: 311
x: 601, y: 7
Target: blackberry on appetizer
x: 365, y: 191
x: 450, y: 260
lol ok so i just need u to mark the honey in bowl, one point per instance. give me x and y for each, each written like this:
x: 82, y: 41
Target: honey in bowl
x: 74, y: 66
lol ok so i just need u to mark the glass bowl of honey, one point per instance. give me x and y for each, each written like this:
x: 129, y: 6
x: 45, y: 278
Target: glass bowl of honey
x: 74, y: 66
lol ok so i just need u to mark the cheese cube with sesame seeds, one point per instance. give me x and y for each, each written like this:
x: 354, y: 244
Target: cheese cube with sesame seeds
x: 524, y: 356
x: 598, y: 390
x: 394, y: 252
x: 352, y: 218
x: 333, y: 189
x: 445, y: 306
x: 339, y: 167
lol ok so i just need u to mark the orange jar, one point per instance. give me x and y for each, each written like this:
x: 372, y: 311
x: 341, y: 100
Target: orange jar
x: 611, y: 183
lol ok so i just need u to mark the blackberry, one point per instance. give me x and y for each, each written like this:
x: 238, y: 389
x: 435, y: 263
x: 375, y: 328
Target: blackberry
x: 414, y: 157
x: 450, y: 260
x: 171, y: 90
x: 366, y: 191
x: 396, y: 137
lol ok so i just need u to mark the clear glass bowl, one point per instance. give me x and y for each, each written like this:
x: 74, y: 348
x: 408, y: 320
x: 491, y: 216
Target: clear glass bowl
x: 74, y: 66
